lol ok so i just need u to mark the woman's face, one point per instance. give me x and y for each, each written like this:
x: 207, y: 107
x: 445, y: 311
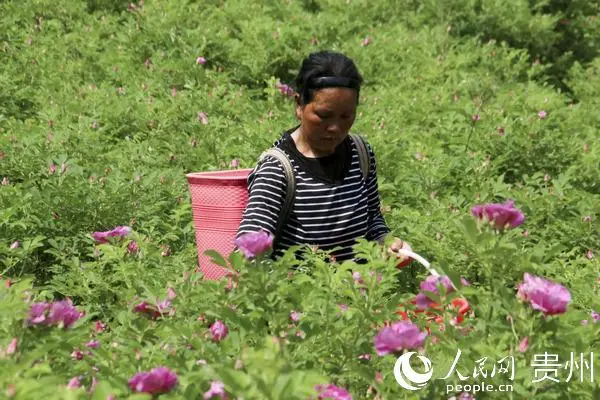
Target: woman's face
x: 326, y: 120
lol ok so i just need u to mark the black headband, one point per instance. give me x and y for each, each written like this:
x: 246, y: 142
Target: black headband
x: 332, y: 81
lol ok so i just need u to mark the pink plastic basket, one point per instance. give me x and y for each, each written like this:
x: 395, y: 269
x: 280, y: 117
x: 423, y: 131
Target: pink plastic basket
x: 218, y: 201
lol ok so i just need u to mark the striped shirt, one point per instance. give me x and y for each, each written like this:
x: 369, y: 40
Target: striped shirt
x: 328, y: 215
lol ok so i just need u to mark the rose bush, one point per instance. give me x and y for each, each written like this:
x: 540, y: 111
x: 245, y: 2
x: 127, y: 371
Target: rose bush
x: 106, y: 105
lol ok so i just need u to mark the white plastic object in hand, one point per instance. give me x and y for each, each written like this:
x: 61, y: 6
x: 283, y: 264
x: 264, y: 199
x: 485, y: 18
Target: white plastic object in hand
x: 423, y: 261
x: 420, y: 259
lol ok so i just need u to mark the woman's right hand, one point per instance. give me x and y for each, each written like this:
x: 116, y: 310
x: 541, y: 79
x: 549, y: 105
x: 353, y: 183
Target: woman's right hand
x: 393, y: 249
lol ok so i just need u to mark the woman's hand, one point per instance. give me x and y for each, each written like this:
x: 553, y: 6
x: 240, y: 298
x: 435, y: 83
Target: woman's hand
x: 396, y: 245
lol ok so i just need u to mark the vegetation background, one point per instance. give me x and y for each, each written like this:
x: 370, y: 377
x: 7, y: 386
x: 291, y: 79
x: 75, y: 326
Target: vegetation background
x: 105, y: 105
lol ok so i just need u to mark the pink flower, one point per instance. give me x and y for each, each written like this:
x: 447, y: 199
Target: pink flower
x: 542, y: 114
x: 431, y: 285
x: 589, y: 254
x: 475, y: 118
x: 15, y: 245
x: 524, y: 344
x: 500, y: 215
x: 63, y: 312
x: 151, y: 310
x: 595, y: 316
x: 401, y: 335
x: 217, y: 388
x: 133, y: 247
x: 357, y: 278
x: 366, y: 41
x: 544, y: 295
x: 285, y: 90
x: 203, y: 118
x: 366, y: 356
x: 37, y: 313
x: 295, y: 316
x: 234, y: 163
x: 119, y: 231
x: 74, y: 383
x: 343, y: 308
x: 171, y: 293
x: 99, y: 327
x: 200, y: 60
x: 332, y: 392
x: 52, y: 168
x: 218, y: 330
x: 166, y: 250
x: 77, y: 355
x: 253, y: 244
x: 157, y: 381
x: 12, y: 347
x: 93, y: 344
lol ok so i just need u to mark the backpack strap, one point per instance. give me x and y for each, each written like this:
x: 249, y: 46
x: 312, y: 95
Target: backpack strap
x: 363, y: 154
x: 290, y: 188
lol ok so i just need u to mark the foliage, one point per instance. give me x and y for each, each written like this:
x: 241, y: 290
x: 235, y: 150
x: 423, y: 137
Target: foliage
x: 465, y: 102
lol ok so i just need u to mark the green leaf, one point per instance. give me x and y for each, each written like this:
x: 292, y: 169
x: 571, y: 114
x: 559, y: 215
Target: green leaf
x: 236, y: 259
x: 38, y: 370
x: 216, y: 258
x: 281, y: 388
x: 470, y: 229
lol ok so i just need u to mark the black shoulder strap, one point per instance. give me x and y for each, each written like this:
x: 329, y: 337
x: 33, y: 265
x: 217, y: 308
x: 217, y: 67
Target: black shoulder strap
x: 363, y: 154
x: 290, y: 191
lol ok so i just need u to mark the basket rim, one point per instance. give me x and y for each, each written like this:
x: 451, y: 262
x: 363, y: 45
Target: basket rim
x: 232, y: 177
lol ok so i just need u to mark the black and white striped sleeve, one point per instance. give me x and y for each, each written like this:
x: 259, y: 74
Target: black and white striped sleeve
x: 377, y: 228
x: 267, y: 185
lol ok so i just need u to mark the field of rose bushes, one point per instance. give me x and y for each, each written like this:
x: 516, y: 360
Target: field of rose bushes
x: 484, y: 119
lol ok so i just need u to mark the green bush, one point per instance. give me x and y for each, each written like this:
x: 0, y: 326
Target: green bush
x: 465, y: 102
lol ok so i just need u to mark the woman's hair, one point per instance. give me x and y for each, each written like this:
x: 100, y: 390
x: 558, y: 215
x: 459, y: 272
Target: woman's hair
x: 340, y: 70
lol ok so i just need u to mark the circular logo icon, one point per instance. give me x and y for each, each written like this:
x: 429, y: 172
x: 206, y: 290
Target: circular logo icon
x: 407, y: 377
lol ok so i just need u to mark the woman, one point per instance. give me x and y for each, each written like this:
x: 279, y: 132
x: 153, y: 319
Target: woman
x: 334, y: 204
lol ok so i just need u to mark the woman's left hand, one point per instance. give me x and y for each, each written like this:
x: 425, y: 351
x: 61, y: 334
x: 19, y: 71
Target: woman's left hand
x: 396, y: 245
